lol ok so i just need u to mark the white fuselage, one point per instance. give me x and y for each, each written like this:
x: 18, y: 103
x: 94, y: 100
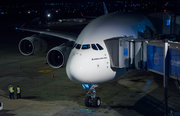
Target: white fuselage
x: 91, y: 65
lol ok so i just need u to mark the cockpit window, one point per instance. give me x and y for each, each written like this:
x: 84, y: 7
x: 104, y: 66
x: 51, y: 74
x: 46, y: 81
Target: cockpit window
x: 74, y: 45
x: 78, y: 46
x: 99, y: 46
x: 87, y: 46
x: 94, y: 47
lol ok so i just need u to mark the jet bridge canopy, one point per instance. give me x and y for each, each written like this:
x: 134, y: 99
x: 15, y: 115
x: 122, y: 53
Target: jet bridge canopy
x: 124, y: 52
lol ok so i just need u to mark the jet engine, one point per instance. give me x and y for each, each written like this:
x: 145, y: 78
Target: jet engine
x: 58, y: 56
x: 31, y: 45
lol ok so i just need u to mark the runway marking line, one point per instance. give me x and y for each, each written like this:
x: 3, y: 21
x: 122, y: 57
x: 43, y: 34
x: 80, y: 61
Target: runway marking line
x: 45, y: 71
x: 107, y: 98
x: 88, y: 110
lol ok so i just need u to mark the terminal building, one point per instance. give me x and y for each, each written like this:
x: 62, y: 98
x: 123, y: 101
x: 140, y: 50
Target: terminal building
x: 167, y: 25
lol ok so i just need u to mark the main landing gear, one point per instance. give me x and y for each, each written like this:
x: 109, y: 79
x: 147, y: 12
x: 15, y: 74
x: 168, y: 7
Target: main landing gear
x: 91, y: 99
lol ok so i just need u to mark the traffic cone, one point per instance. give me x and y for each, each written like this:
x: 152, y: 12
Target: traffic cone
x: 45, y: 61
x: 19, y: 66
x: 52, y: 75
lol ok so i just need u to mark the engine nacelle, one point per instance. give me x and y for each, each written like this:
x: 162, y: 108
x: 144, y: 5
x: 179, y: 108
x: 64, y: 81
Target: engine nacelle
x: 31, y: 45
x: 58, y: 56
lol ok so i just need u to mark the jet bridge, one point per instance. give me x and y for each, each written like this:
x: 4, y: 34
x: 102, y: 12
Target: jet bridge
x: 158, y: 56
x: 163, y: 57
x: 127, y: 52
x: 156, y: 63
x: 155, y: 55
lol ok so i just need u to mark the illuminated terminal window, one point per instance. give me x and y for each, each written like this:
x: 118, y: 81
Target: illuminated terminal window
x: 125, y: 52
x: 168, y: 22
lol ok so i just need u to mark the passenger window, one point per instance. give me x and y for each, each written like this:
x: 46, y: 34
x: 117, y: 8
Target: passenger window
x: 78, y: 46
x: 99, y: 46
x: 94, y: 47
x: 87, y: 46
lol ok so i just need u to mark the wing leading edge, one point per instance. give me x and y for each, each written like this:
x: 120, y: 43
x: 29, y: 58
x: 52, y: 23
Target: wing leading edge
x: 65, y: 35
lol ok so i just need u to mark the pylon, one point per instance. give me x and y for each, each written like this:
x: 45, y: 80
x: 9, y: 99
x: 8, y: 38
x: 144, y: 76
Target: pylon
x: 52, y: 75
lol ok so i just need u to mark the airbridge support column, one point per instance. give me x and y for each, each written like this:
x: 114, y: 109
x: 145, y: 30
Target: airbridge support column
x: 165, y: 70
x: 144, y: 55
x: 140, y: 54
x: 131, y: 54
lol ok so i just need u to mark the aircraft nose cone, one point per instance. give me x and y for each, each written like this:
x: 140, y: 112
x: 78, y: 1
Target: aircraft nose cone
x: 76, y: 68
x: 82, y: 68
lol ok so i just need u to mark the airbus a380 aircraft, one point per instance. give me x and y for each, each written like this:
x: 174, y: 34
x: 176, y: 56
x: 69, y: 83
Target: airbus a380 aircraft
x: 88, y: 60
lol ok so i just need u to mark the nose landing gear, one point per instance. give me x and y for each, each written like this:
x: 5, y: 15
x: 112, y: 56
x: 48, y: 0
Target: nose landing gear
x: 91, y: 99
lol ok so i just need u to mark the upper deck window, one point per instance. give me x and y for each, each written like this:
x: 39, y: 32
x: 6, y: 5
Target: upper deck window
x: 99, y: 46
x: 87, y: 46
x: 78, y: 46
x: 94, y: 47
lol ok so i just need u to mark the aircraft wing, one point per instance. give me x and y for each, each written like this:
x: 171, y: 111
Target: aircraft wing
x: 91, y: 17
x: 69, y: 36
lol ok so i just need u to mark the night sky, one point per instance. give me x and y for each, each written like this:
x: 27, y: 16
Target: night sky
x: 58, y: 1
x: 44, y: 1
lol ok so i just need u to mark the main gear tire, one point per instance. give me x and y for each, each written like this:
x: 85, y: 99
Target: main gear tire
x: 96, y: 102
x: 88, y: 101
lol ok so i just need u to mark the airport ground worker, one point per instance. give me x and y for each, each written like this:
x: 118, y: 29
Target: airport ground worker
x: 1, y: 105
x: 18, y: 92
x: 11, y: 89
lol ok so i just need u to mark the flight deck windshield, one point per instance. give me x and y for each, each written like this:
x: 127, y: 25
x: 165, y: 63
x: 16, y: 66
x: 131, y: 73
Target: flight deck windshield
x: 94, y: 47
x: 99, y: 46
x: 87, y: 46
x: 78, y: 46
